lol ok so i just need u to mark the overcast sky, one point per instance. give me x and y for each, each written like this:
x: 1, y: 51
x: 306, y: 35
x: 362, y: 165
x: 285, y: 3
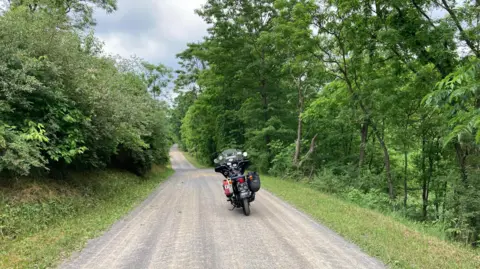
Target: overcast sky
x: 153, y: 30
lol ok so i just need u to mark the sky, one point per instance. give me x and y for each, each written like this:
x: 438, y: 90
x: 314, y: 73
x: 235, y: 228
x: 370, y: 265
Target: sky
x: 153, y: 30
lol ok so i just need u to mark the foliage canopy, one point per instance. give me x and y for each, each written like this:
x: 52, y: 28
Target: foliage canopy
x: 357, y: 96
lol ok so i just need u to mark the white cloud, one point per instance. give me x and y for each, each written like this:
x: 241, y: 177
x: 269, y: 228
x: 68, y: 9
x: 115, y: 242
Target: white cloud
x: 117, y: 43
x: 182, y: 22
x: 153, y: 30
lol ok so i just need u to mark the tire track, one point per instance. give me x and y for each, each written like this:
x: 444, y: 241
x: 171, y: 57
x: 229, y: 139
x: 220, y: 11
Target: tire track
x: 186, y: 223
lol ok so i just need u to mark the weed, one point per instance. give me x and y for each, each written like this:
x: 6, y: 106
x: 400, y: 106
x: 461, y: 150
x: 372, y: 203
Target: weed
x: 43, y: 221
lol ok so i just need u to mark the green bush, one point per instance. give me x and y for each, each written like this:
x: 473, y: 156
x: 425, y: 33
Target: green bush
x: 374, y: 199
x: 282, y: 164
x: 62, y: 105
x: 328, y: 181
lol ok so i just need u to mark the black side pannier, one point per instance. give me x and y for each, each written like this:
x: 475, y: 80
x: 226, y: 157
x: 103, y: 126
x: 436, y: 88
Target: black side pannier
x: 253, y: 180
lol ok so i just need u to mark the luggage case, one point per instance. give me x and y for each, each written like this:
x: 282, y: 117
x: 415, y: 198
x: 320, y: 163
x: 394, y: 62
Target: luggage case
x: 253, y: 181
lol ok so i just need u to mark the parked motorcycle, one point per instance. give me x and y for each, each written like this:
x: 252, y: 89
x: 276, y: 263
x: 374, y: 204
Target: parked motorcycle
x: 239, y: 188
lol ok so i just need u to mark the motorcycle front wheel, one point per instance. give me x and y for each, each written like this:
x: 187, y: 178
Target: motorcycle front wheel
x: 246, y: 207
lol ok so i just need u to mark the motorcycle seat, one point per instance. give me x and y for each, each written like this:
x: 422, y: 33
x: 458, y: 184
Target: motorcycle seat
x: 235, y: 178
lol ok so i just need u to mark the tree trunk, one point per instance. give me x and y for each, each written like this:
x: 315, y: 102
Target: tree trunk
x: 349, y: 148
x: 299, y: 127
x: 426, y: 179
x: 405, y: 170
x: 386, y: 159
x: 386, y: 156
x: 437, y: 208
x: 298, y: 142
x: 424, y: 175
x: 405, y: 183
x: 311, y: 173
x: 444, y: 204
x: 370, y: 162
x: 461, y: 156
x: 424, y: 199
x: 263, y: 93
x: 426, y: 188
x: 310, y: 151
x: 363, y: 143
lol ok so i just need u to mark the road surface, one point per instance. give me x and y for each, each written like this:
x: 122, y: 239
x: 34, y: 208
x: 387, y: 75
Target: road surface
x: 186, y: 223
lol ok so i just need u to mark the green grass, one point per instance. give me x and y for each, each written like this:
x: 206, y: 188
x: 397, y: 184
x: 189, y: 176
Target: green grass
x: 398, y: 244
x: 191, y: 159
x: 43, y: 222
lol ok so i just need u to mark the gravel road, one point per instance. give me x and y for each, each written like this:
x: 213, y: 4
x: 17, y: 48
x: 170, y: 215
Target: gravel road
x: 186, y: 223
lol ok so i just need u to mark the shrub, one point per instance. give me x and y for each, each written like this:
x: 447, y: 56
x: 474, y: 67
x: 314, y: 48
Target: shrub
x: 63, y: 105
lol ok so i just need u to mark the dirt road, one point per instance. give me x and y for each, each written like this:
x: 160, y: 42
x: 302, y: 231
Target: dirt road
x: 186, y: 223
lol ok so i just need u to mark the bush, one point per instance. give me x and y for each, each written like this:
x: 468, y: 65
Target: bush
x: 282, y: 163
x: 63, y: 105
x: 19, y: 151
x: 374, y: 199
x: 328, y: 181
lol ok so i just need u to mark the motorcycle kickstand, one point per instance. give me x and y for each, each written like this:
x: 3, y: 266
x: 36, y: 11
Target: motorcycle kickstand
x: 232, y: 208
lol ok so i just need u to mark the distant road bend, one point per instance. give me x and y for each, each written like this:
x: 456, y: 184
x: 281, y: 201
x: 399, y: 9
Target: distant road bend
x: 186, y: 223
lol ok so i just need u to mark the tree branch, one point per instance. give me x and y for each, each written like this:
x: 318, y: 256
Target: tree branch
x: 419, y: 9
x: 463, y: 35
x: 310, y: 151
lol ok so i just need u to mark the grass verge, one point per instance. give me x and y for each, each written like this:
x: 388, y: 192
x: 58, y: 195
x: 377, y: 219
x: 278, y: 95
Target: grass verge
x: 191, y: 159
x: 42, y: 222
x: 397, y: 244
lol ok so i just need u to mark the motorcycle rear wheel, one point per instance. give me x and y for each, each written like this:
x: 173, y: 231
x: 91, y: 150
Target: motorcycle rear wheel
x: 246, y: 207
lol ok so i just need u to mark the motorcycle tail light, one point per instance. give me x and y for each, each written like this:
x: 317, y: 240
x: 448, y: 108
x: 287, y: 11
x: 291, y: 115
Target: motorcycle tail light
x: 241, y: 180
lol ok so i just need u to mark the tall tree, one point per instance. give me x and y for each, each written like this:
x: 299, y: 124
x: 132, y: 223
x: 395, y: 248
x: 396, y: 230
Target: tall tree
x: 347, y: 77
x: 79, y: 12
x: 157, y: 77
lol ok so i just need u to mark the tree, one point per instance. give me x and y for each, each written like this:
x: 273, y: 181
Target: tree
x: 79, y: 12
x: 157, y: 77
x: 293, y: 44
x: 332, y: 91
x: 62, y: 106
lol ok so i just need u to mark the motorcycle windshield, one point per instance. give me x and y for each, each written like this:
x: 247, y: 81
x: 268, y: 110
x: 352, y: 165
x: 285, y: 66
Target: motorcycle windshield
x: 230, y: 155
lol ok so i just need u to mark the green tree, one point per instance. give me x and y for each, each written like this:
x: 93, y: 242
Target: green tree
x: 80, y: 13
x: 332, y: 91
x: 158, y: 77
x: 63, y: 106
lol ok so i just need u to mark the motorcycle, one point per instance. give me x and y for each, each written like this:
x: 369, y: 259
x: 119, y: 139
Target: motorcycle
x: 239, y: 188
